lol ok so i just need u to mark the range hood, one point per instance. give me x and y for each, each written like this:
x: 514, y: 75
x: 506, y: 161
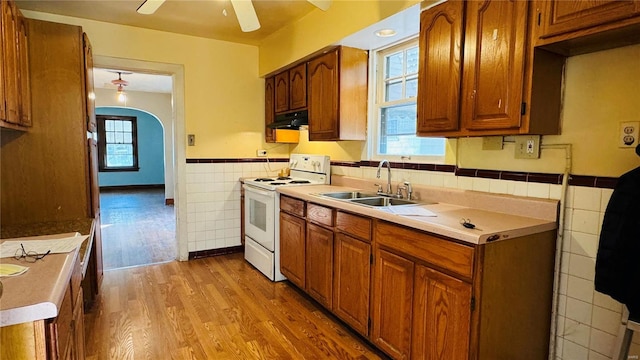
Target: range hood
x: 292, y: 120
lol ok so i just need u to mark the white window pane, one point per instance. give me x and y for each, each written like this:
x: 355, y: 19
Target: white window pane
x: 398, y: 120
x: 117, y: 125
x: 110, y: 137
x: 412, y: 88
x: 108, y: 125
x: 393, y: 91
x: 411, y: 145
x: 394, y: 65
x: 412, y: 61
x: 118, y: 138
x: 126, y: 126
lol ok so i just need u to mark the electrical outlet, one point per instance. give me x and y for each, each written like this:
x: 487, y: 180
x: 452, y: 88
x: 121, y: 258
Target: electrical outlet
x: 628, y: 134
x: 191, y: 140
x: 528, y: 147
x: 261, y: 153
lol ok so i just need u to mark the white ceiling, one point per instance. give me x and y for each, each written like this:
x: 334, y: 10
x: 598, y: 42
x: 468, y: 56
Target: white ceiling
x: 137, y: 81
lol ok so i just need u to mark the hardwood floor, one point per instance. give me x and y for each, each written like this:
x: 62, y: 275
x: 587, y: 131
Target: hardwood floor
x: 137, y: 228
x: 212, y: 308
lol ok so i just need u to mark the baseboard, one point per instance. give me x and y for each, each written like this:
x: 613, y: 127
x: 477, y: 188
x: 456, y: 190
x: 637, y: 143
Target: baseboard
x: 215, y: 252
x: 132, y: 187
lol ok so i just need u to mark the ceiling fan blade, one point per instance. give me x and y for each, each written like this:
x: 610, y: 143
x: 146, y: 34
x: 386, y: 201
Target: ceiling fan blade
x: 246, y: 14
x: 149, y: 7
x: 321, y: 4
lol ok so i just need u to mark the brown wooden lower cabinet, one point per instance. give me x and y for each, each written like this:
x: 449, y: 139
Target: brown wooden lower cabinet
x: 423, y: 296
x: 319, y: 264
x: 351, y: 274
x: 392, y: 304
x: 292, y: 248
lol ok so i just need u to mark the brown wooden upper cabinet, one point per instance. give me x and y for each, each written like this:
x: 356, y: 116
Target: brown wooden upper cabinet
x: 579, y: 27
x: 90, y: 103
x: 493, y: 91
x: 15, y: 100
x: 269, y: 109
x: 337, y: 85
x: 291, y: 89
x: 561, y: 16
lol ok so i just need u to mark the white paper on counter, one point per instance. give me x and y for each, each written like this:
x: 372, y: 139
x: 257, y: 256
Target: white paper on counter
x: 57, y: 246
x: 411, y: 211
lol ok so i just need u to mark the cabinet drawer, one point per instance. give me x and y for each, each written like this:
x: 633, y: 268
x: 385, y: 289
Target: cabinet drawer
x: 320, y: 214
x: 292, y: 206
x: 444, y: 254
x: 358, y: 226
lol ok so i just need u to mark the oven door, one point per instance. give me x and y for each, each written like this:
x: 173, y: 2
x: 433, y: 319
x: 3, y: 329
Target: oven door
x: 259, y: 216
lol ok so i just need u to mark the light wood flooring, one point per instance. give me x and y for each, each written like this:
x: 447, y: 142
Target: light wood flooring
x: 137, y: 228
x: 212, y: 308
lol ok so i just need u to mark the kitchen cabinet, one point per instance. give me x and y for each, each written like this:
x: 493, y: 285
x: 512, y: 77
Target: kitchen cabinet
x: 392, y: 304
x: 58, y: 177
x: 291, y: 89
x: 351, y: 270
x: 292, y: 246
x: 90, y: 102
x: 337, y: 86
x: 496, y: 88
x: 319, y: 264
x: 569, y: 16
x: 15, y: 112
x: 269, y: 109
x: 578, y: 27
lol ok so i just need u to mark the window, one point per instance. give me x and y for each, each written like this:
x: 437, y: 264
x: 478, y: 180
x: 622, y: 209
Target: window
x: 396, y: 85
x: 117, y: 143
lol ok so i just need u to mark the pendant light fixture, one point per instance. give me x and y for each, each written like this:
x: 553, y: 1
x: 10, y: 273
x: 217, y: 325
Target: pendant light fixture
x: 121, y: 95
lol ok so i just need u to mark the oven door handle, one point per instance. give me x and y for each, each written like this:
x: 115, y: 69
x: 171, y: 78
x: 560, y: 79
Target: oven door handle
x: 258, y: 191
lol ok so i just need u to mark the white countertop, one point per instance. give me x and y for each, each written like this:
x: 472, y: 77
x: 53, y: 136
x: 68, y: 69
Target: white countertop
x: 38, y: 293
x: 490, y: 225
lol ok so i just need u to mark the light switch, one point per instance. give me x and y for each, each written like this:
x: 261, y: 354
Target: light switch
x: 191, y: 140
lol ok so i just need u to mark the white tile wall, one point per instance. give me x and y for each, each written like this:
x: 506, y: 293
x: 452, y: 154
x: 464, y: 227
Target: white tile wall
x: 213, y: 202
x: 587, y: 320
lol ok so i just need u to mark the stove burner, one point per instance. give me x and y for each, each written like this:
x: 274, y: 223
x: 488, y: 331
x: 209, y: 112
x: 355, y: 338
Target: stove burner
x: 277, y: 183
x: 283, y: 178
x: 263, y: 179
x: 299, y: 182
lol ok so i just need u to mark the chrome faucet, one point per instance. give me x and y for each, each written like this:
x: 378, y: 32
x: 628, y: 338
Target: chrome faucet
x: 388, y: 176
x: 408, y: 188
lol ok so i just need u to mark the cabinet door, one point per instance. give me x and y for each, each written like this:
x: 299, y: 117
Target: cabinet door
x: 292, y: 248
x: 269, y: 109
x: 319, y: 265
x: 282, y: 92
x: 323, y: 87
x: 10, y: 60
x: 3, y: 113
x: 439, y: 77
x: 563, y: 16
x: 23, y: 73
x: 90, y: 102
x: 441, y: 316
x: 392, y: 299
x: 495, y: 34
x: 78, y: 329
x: 298, y: 87
x: 351, y: 272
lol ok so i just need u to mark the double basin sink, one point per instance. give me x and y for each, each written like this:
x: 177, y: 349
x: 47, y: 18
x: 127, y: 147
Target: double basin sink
x: 367, y: 199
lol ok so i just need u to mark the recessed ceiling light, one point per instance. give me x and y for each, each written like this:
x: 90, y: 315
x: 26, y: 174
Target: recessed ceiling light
x: 385, y: 33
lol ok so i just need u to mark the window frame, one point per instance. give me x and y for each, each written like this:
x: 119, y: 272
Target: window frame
x: 102, y: 143
x: 377, y: 103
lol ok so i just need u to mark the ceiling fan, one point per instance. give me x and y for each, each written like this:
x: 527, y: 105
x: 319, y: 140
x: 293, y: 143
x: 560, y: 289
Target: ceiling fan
x: 244, y: 9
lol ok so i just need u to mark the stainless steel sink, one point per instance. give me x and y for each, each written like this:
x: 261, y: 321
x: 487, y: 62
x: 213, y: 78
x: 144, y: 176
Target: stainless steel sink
x: 348, y: 195
x: 382, y: 201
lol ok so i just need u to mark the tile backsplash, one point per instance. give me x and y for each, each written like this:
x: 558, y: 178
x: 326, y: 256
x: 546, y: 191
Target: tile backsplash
x: 587, y: 321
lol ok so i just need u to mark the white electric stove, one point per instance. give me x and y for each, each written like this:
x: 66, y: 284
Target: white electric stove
x: 262, y: 210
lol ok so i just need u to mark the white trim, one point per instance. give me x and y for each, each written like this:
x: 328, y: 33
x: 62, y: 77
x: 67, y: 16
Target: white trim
x: 179, y: 145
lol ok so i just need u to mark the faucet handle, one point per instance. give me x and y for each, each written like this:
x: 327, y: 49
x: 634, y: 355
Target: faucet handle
x: 379, y: 188
x: 407, y: 186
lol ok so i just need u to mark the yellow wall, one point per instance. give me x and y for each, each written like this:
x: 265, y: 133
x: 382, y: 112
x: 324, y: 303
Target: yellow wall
x: 323, y: 28
x: 224, y: 96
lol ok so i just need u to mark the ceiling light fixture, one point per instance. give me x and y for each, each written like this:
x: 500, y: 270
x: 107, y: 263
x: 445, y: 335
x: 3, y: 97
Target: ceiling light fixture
x: 121, y: 95
x: 385, y: 33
